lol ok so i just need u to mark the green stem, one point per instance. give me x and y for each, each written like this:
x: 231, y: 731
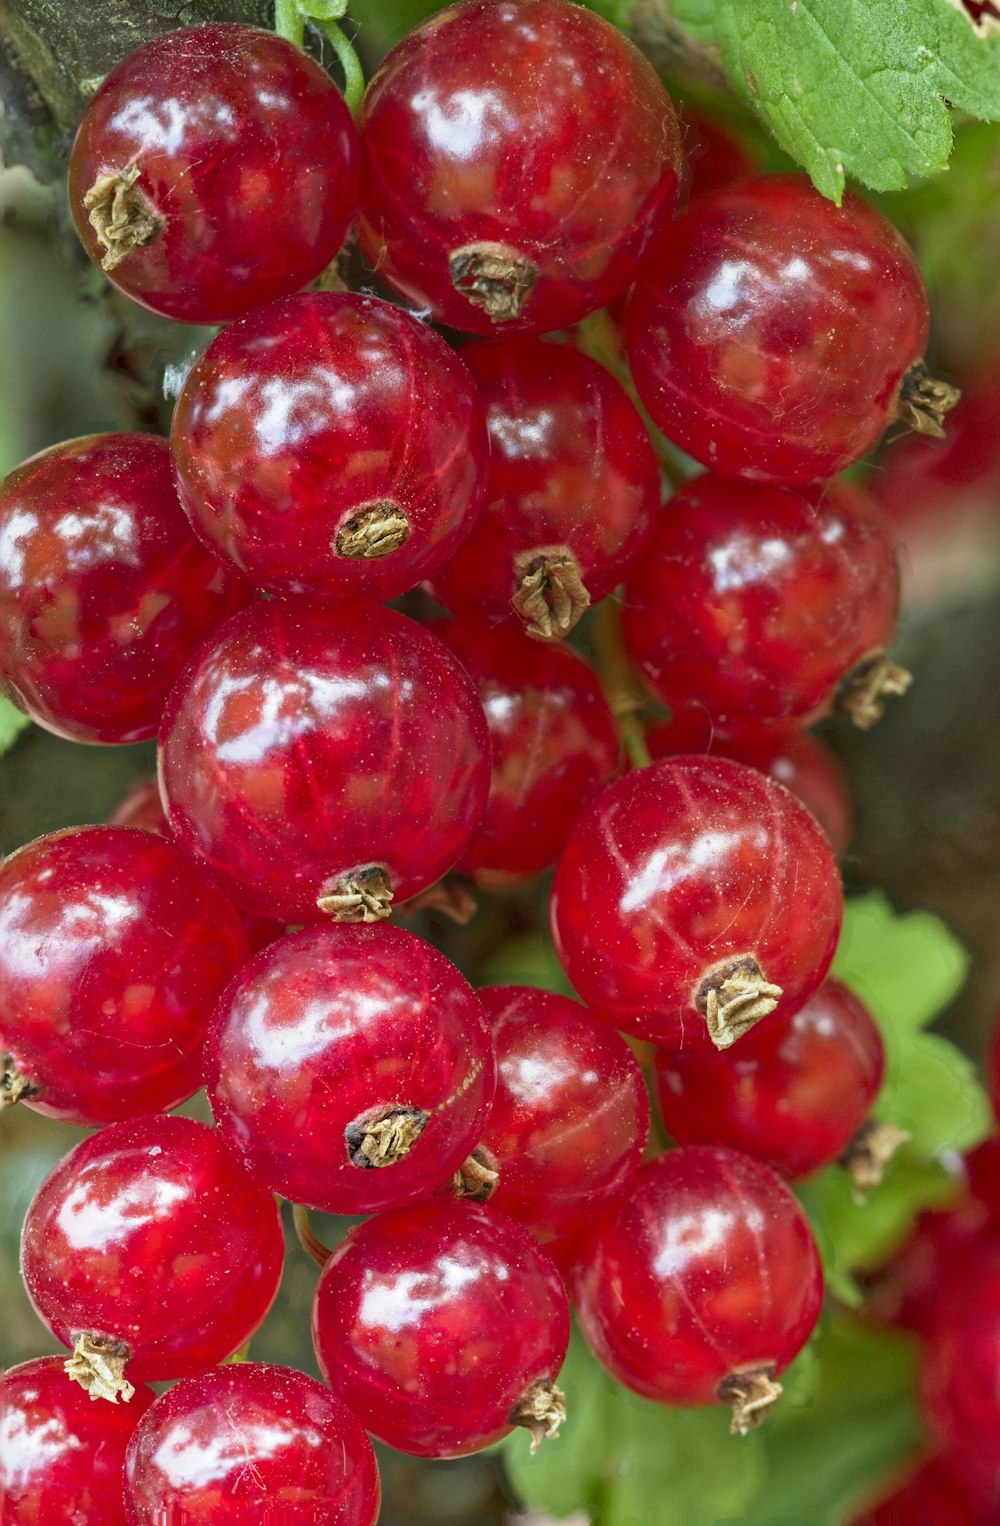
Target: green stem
x: 290, y: 17
x: 354, y: 76
x: 238, y: 1356
x: 306, y: 1236
x: 622, y: 686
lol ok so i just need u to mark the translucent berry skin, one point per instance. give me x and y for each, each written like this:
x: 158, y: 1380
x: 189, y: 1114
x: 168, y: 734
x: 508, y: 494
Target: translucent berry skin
x: 931, y: 1495
x: 789, y: 756
x: 313, y: 411
x: 714, y: 156
x: 330, y: 1025
x: 532, y: 124
x: 432, y: 1322
x: 570, y: 1117
x: 755, y: 601
x: 961, y: 1363
x: 248, y: 1443
x: 678, y: 869
x: 305, y: 741
x: 553, y: 745
x: 152, y: 1234
x: 114, y: 948
x: 61, y: 1455
x: 571, y: 465
x: 104, y: 593
x: 769, y: 330
x: 794, y: 1092
x: 708, y: 1267
x: 248, y: 159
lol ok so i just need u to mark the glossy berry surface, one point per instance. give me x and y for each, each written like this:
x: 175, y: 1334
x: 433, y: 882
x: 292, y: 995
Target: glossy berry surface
x: 708, y: 1270
x: 569, y: 1120
x: 104, y: 593
x: 351, y: 1068
x: 114, y: 948
x: 61, y: 1456
x: 791, y: 757
x: 435, y: 1322
x: 769, y: 330
x: 248, y: 1443
x: 755, y: 601
x: 330, y: 444
x: 571, y: 494
x: 795, y: 1091
x: 517, y: 157
x: 151, y: 1235
x: 553, y: 745
x: 960, y: 1376
x: 247, y: 166
x: 309, y: 742
x: 683, y: 885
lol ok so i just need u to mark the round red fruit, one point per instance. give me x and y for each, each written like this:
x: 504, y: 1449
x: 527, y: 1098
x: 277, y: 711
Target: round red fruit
x: 150, y: 1249
x: 332, y: 754
x: 104, y: 594
x: 330, y: 444
x: 772, y: 334
x: 696, y: 890
x: 704, y: 1285
x: 214, y: 169
x: 114, y: 948
x: 572, y: 491
x: 246, y: 1442
x: 443, y: 1327
x: 517, y: 157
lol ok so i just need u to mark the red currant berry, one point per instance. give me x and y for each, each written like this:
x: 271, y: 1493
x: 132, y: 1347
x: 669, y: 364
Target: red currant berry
x: 960, y: 1377
x: 573, y: 487
x: 351, y: 1068
x: 696, y: 889
x: 704, y: 1285
x: 443, y: 1327
x: 149, y: 1246
x: 104, y: 594
x: 330, y: 444
x: 553, y: 745
x: 570, y: 1117
x: 795, y: 1093
x: 756, y: 602
x: 906, y: 1290
x: 923, y: 480
x: 517, y: 158
x: 931, y: 1495
x: 714, y: 156
x: 251, y: 1443
x: 771, y: 333
x: 324, y: 754
x: 114, y: 948
x: 60, y: 1457
x: 787, y: 755
x: 215, y: 168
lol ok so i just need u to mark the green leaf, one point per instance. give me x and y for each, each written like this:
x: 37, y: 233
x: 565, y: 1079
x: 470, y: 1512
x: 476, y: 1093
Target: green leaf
x: 855, y: 87
x: 12, y: 723
x: 846, y: 1414
x: 905, y: 968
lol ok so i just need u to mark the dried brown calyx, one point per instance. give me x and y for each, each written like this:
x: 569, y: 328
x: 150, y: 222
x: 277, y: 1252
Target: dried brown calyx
x: 549, y: 592
x: 98, y: 1365
x: 478, y: 1176
x: 541, y: 1409
x: 733, y: 997
x: 863, y: 693
x: 374, y: 531
x: 494, y: 277
x: 924, y: 401
x: 750, y: 1394
x: 868, y: 1154
x: 120, y: 215
x: 384, y: 1136
x: 14, y: 1085
x: 360, y: 895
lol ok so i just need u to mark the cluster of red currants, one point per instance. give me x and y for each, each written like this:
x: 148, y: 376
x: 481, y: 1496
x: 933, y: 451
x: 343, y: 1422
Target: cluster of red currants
x: 323, y: 756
